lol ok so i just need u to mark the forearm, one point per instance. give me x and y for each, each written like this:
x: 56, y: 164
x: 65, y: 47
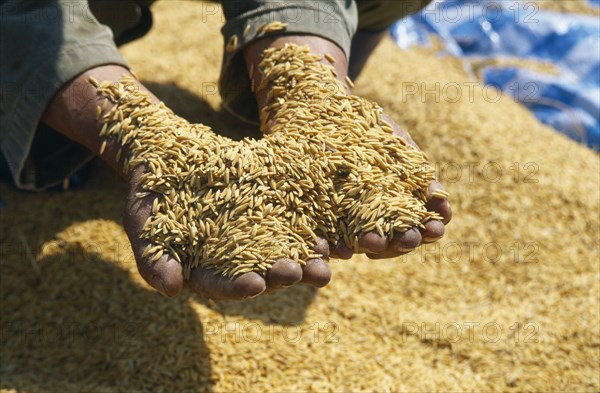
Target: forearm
x: 73, y: 111
x: 253, y: 55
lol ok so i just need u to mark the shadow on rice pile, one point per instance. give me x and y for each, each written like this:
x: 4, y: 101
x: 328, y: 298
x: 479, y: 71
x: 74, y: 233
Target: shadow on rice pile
x: 507, y: 301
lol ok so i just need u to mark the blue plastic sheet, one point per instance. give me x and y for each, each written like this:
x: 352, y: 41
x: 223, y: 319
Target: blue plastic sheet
x: 569, y: 101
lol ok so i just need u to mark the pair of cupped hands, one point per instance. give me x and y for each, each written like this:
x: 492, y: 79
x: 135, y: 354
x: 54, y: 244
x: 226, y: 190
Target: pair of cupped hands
x: 166, y: 273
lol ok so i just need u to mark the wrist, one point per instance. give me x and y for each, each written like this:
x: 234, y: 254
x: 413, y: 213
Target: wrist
x: 73, y: 112
x: 333, y: 56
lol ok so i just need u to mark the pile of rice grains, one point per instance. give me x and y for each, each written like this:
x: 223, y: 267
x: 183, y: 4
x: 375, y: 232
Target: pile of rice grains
x: 329, y: 168
x: 507, y: 301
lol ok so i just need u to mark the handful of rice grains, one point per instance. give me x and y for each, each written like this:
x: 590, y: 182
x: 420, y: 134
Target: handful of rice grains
x: 331, y: 168
x: 380, y: 181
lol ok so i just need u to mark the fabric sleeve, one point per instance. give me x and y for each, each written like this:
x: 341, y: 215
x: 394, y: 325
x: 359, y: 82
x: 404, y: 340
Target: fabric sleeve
x: 335, y: 20
x: 43, y: 45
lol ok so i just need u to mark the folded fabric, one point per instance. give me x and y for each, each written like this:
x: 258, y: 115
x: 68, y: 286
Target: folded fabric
x: 568, y: 100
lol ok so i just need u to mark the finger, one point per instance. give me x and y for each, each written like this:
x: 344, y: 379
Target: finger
x: 316, y: 272
x: 164, y: 275
x: 434, y: 230
x: 439, y: 205
x: 386, y: 255
x: 341, y: 251
x: 322, y: 247
x: 218, y: 287
x: 372, y: 242
x: 283, y: 273
x: 405, y: 241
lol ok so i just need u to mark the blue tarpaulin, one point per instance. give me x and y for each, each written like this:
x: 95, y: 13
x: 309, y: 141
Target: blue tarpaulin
x: 569, y: 101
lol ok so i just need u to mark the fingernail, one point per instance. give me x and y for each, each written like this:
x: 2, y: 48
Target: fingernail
x: 253, y: 296
x: 159, y: 285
